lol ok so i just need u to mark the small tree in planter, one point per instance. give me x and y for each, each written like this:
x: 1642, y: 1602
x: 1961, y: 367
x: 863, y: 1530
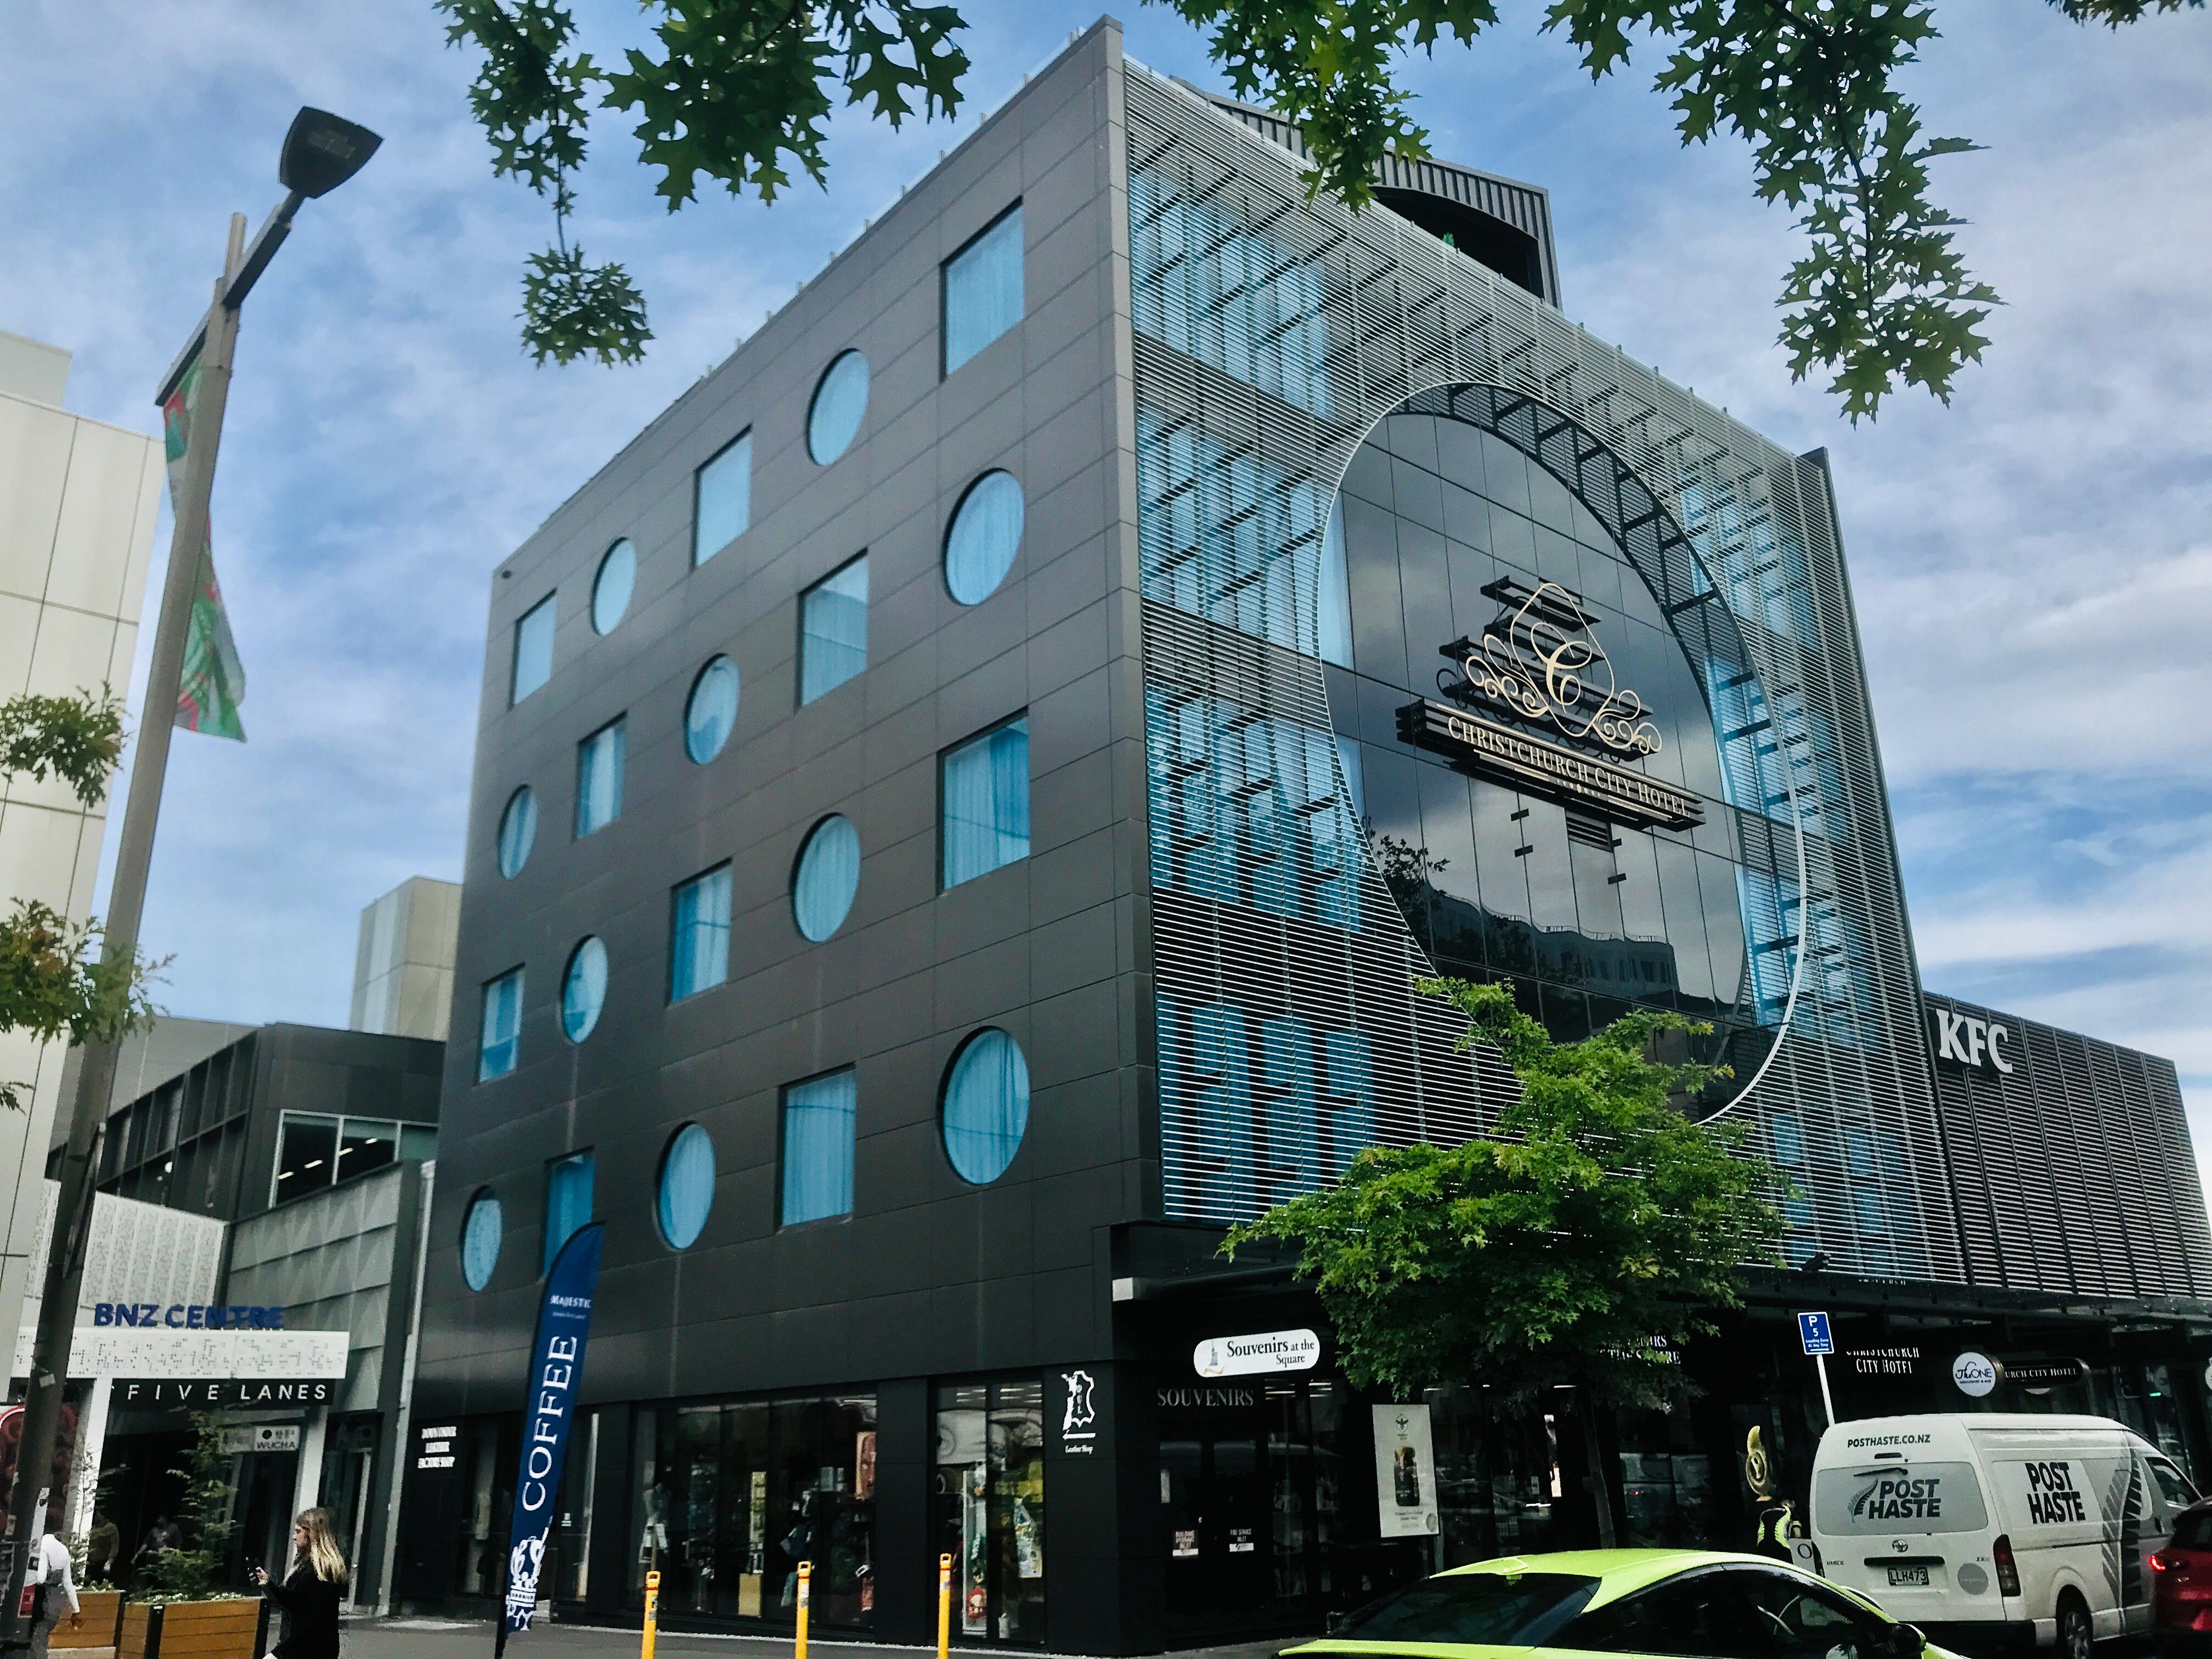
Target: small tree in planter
x: 189, y: 1609
x: 1583, y: 1246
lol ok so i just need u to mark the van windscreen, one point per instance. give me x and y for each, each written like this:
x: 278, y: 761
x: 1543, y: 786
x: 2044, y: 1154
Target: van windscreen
x: 1887, y: 1497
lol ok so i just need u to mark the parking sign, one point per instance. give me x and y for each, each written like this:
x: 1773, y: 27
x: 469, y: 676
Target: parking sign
x: 1813, y: 1331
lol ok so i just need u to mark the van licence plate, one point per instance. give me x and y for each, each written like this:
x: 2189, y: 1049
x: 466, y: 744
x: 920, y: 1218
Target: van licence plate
x: 1914, y: 1576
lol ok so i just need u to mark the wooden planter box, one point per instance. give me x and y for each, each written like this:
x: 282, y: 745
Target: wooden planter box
x: 103, y: 1612
x: 194, y: 1629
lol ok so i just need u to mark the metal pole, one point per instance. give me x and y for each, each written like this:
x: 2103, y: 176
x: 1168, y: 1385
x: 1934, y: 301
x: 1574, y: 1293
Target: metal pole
x: 1826, y: 1398
x: 805, y: 1582
x: 652, y: 1615
x: 96, y: 1077
x: 944, y: 1607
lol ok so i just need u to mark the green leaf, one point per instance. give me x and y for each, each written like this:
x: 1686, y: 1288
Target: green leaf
x: 57, y: 982
x: 77, y: 739
x: 571, y: 309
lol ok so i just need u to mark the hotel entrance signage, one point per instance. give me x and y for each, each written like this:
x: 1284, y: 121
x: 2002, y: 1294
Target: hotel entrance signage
x: 1539, y: 664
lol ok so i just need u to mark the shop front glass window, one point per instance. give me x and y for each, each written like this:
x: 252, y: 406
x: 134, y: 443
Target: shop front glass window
x: 731, y: 1497
x: 988, y: 1492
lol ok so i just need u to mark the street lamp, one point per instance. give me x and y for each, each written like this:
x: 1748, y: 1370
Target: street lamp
x: 321, y: 152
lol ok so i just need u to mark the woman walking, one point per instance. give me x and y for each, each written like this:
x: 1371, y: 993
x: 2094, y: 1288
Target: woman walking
x: 309, y: 1598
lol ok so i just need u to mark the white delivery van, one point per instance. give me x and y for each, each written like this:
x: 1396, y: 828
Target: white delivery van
x: 1996, y: 1532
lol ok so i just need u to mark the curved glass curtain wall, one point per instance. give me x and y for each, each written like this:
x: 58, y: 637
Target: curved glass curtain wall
x: 518, y: 831
x: 986, y: 1106
x: 480, y: 1231
x: 711, y: 712
x: 1734, y: 535
x: 584, y: 990
x: 985, y: 535
x: 611, y: 587
x: 687, y: 1186
x: 840, y: 403
x: 827, y: 876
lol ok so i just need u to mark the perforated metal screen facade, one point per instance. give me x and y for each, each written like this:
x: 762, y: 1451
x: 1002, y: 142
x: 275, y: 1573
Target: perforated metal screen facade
x: 1272, y: 334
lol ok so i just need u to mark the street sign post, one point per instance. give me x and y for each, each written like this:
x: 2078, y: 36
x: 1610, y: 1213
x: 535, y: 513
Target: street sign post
x: 1820, y: 1342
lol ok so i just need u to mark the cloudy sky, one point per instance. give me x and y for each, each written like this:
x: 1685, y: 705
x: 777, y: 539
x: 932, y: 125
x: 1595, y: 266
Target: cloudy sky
x: 2033, y: 564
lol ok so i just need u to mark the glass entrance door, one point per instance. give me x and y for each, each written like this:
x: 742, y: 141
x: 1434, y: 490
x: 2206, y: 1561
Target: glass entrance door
x: 989, y: 1499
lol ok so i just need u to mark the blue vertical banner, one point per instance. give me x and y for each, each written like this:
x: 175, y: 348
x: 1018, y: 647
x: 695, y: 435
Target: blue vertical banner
x: 557, y: 1372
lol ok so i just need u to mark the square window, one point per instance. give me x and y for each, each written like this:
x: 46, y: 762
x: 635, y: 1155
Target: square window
x: 699, y: 943
x: 366, y: 1144
x: 722, y: 499
x: 985, y: 792
x: 500, y: 1038
x: 599, y: 779
x: 817, y: 1147
x: 533, y: 650
x: 567, y: 1202
x: 833, y: 631
x: 307, y: 1156
x: 983, y: 289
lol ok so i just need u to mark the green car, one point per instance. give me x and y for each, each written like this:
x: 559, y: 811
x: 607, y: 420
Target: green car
x: 1696, y: 1602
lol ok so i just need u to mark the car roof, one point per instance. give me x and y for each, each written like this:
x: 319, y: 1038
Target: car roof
x: 1620, y: 1573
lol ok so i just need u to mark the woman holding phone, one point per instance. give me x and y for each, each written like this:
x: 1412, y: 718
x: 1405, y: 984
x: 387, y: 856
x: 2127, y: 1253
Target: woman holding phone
x: 309, y: 1597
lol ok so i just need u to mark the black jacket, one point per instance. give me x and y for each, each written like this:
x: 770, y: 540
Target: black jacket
x: 310, y: 1614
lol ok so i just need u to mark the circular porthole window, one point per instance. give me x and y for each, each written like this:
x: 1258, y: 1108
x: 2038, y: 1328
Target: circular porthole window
x: 480, y: 1235
x: 584, y: 990
x: 986, y: 534
x: 518, y: 832
x: 611, y: 587
x: 711, y: 711
x: 840, y: 400
x: 687, y: 1186
x: 828, y: 876
x: 986, y: 1105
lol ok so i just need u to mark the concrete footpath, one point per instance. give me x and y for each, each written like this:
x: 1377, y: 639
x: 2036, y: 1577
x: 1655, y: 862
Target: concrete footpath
x: 437, y: 1638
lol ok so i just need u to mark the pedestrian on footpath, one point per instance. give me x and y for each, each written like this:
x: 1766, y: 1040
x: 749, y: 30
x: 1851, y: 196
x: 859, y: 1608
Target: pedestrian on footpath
x: 309, y: 1597
x: 49, y: 1590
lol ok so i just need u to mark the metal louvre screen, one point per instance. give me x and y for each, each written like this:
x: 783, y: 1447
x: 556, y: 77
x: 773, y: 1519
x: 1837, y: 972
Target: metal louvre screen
x: 2074, y: 1165
x: 1272, y: 333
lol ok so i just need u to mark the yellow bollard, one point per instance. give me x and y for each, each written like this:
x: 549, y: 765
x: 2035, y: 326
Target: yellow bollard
x: 944, y: 1606
x: 805, y: 1582
x: 651, y: 1613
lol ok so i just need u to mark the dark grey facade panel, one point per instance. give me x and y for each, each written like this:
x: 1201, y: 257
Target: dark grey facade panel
x: 927, y: 1273
x: 2074, y: 1169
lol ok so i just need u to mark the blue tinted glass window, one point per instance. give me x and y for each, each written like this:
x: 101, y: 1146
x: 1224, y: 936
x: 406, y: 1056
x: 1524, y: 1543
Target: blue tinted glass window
x: 699, y: 947
x: 1332, y: 611
x: 833, y: 631
x: 983, y: 290
x: 986, y: 1106
x: 712, y: 710
x: 986, y: 533
x: 722, y: 500
x: 599, y: 779
x: 986, y: 802
x: 568, y: 1202
x: 611, y: 587
x: 839, y: 402
x: 584, y: 990
x: 533, y: 650
x: 518, y: 831
x: 480, y: 1231
x: 817, y: 1147
x: 828, y: 876
x: 500, y: 1034
x: 687, y: 1185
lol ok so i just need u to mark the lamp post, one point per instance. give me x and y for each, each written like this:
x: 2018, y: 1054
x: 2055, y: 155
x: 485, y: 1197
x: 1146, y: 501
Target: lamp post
x: 321, y: 152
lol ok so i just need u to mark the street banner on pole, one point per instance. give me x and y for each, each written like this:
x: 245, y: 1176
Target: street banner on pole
x: 213, y: 683
x: 557, y: 1370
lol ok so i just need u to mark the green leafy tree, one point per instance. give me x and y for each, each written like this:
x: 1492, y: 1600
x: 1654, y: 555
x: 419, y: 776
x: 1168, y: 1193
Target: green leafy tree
x: 1584, y: 1244
x: 1880, y: 300
x: 53, y: 981
x: 205, y: 1513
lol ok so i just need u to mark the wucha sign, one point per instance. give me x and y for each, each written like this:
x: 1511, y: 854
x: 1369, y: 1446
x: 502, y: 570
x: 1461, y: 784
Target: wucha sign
x: 1266, y: 1351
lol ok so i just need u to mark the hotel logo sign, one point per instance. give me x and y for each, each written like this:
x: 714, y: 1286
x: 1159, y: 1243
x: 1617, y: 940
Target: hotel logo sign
x: 1540, y: 663
x: 1978, y: 1043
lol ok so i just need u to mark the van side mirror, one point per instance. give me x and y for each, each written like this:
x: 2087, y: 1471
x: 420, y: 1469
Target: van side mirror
x: 1906, y: 1642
